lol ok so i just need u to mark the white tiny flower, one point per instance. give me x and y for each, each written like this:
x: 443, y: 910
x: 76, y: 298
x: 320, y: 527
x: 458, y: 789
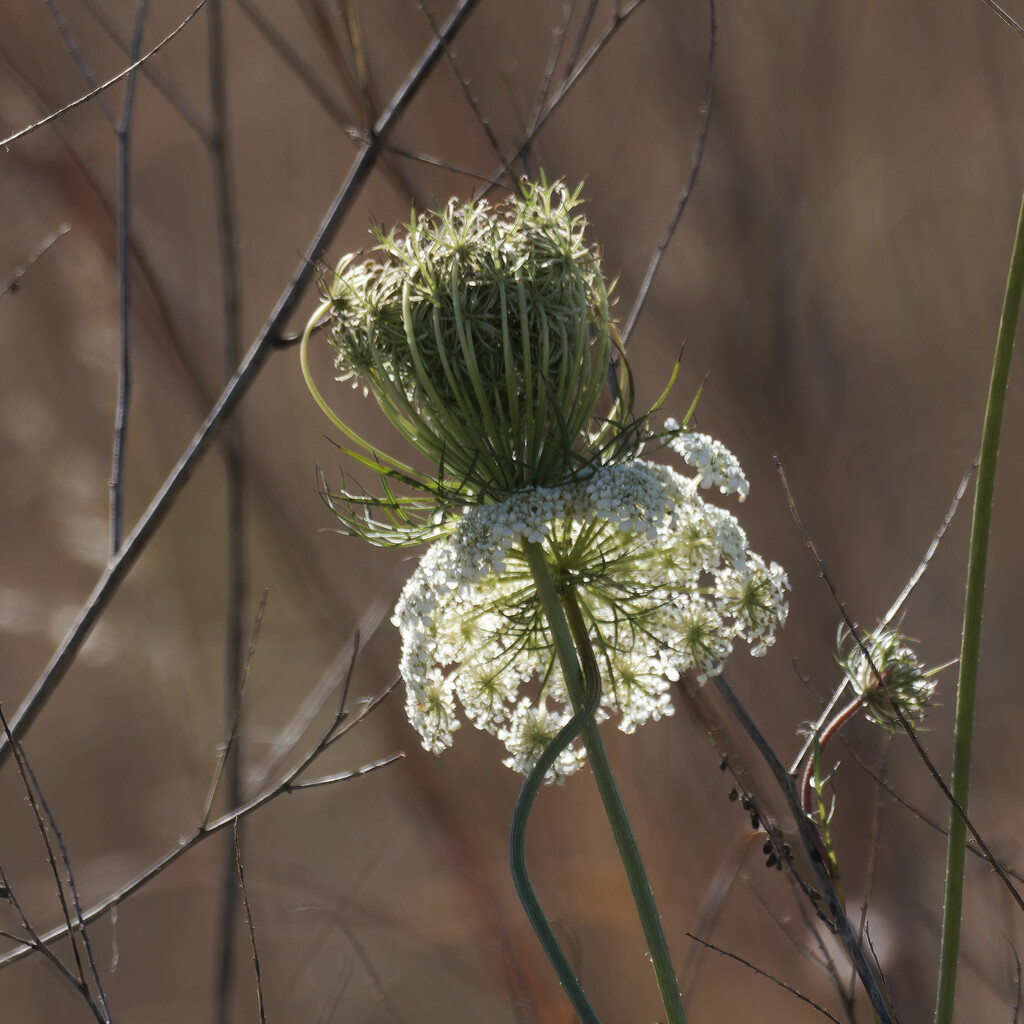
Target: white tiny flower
x: 529, y: 733
x: 717, y: 465
x: 665, y: 582
x: 886, y: 673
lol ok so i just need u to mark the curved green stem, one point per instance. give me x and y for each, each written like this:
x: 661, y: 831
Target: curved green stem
x: 517, y: 856
x: 572, y: 643
x: 971, y: 638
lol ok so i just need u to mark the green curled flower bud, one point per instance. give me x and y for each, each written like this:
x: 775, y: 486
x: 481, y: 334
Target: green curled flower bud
x: 484, y: 334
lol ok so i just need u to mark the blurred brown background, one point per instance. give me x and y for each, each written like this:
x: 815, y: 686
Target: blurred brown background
x: 838, y: 274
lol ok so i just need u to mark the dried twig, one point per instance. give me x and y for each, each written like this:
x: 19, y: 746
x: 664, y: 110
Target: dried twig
x: 267, y: 341
x: 691, y: 181
x: 905, y: 723
x: 805, y: 829
x: 34, y: 944
x: 101, y: 88
x: 765, y: 974
x: 14, y: 281
x: 235, y: 674
x: 40, y: 808
x: 250, y: 926
x: 289, y: 783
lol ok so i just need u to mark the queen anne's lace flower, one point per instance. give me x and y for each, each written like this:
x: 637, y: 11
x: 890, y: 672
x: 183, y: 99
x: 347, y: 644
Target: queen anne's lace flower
x: 885, y: 672
x: 717, y: 466
x: 665, y: 583
x: 484, y: 333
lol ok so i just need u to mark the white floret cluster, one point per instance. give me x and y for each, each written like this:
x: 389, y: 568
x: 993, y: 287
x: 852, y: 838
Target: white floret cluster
x: 886, y: 673
x: 717, y: 466
x: 665, y: 583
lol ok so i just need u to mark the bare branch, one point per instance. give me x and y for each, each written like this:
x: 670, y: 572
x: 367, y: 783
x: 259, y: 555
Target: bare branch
x: 106, y: 85
x: 76, y: 56
x: 286, y: 785
x: 34, y: 944
x: 14, y: 281
x: 250, y: 926
x: 122, y: 128
x: 765, y: 974
x: 805, y: 829
x: 905, y: 723
x: 267, y: 341
x: 474, y: 104
x: 1004, y: 17
x: 232, y: 730
x: 691, y: 181
x: 159, y: 80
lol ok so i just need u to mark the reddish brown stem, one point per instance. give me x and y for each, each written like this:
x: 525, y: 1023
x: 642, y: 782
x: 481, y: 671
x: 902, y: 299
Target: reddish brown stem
x: 830, y: 730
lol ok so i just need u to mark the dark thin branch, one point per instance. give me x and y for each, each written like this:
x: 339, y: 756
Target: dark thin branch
x: 76, y: 902
x: 29, y: 129
x: 267, y: 341
x: 232, y: 729
x: 916, y: 812
x: 471, y: 99
x: 821, y: 959
x: 34, y: 944
x: 445, y: 165
x: 354, y: 31
x: 80, y: 63
x: 336, y: 920
x: 160, y: 81
x: 1004, y: 17
x: 549, y: 73
x: 765, y: 974
x: 807, y: 836
x: 234, y: 472
x: 1017, y: 982
x: 874, y: 848
x: 290, y: 782
x: 933, y: 547
x: 614, y: 24
x: 298, y: 65
x: 14, y: 281
x: 250, y: 926
x: 691, y: 181
x: 122, y: 127
x: 905, y: 723
x: 581, y: 36
x: 51, y: 860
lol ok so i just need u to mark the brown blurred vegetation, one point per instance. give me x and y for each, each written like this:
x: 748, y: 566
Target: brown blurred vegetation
x: 837, y: 275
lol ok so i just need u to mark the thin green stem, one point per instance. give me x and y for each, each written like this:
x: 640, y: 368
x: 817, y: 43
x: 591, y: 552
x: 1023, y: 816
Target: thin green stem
x: 517, y: 857
x: 572, y: 644
x: 971, y: 638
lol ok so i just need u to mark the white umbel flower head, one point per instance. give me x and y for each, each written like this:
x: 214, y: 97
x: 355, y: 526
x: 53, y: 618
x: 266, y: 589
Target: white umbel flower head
x: 665, y: 584
x: 885, y: 672
x: 484, y: 334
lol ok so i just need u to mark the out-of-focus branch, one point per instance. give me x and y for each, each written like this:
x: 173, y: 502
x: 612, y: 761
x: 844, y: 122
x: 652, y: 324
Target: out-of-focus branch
x: 338, y: 726
x: 266, y: 342
x: 14, y: 281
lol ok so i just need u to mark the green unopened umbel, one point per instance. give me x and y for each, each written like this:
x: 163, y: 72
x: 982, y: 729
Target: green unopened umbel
x: 484, y: 334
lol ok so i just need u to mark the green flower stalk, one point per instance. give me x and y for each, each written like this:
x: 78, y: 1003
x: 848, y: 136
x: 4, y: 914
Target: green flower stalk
x: 485, y: 336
